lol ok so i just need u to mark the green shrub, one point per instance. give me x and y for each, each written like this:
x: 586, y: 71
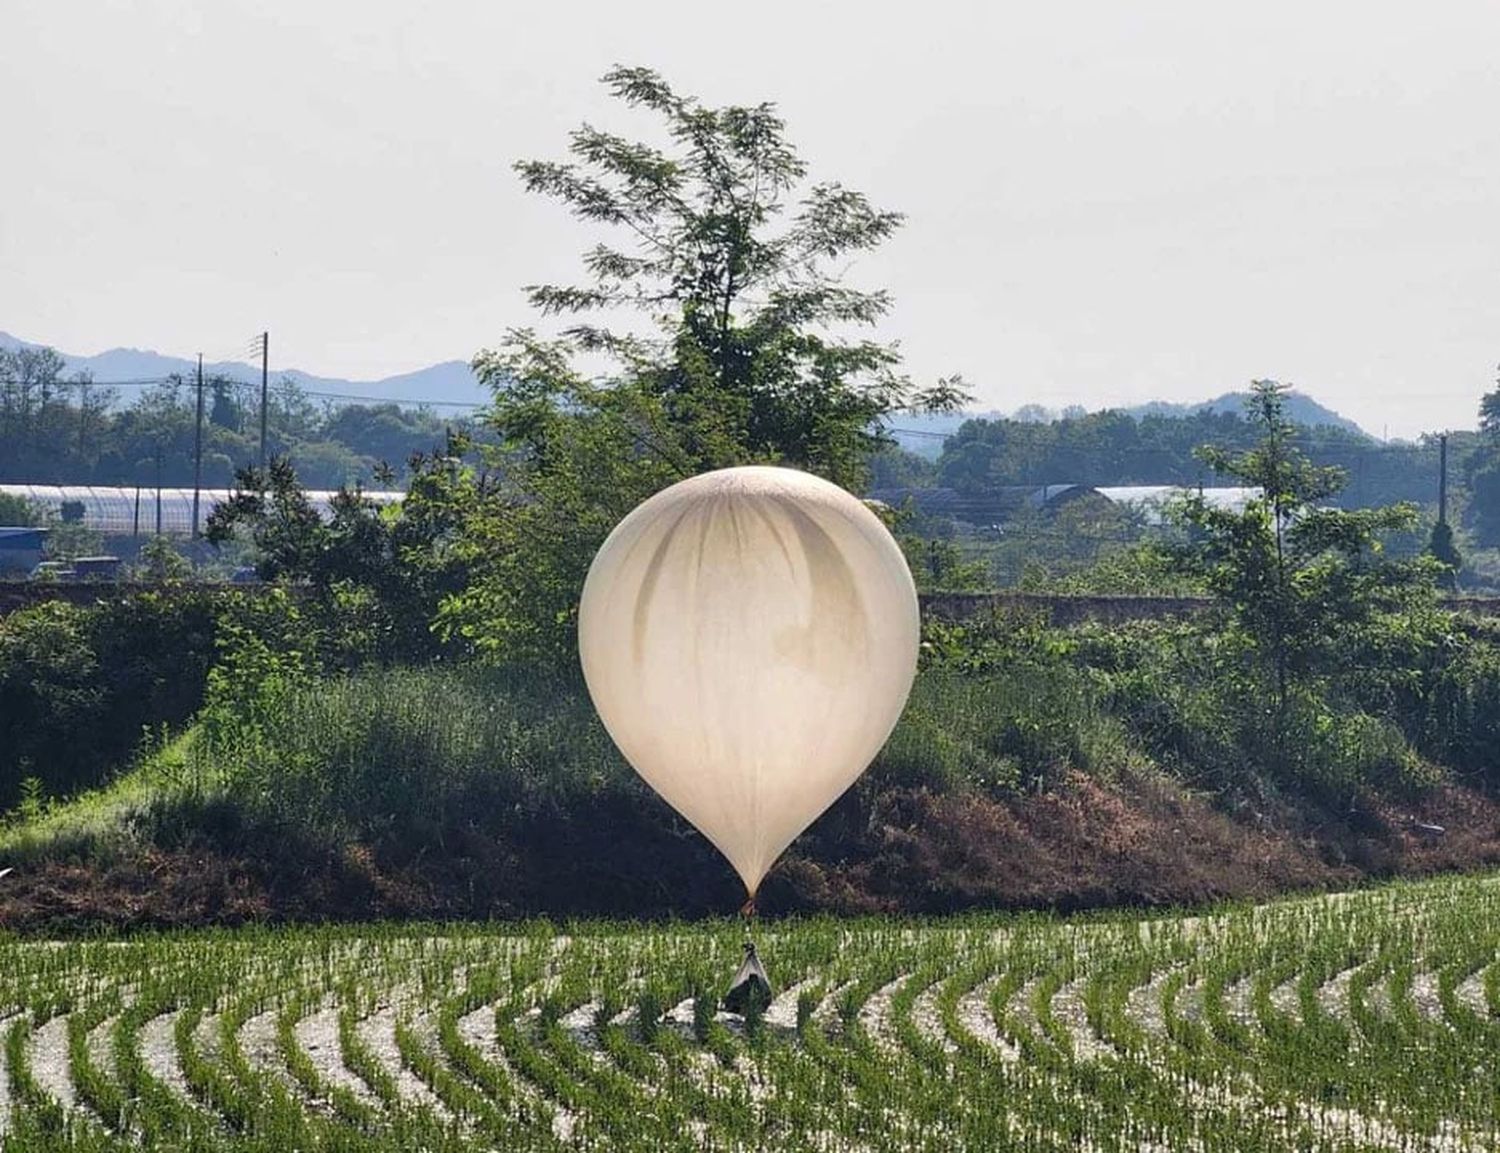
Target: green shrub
x: 1459, y: 725
x: 79, y: 685
x: 1347, y: 752
x: 18, y: 511
x: 1004, y: 728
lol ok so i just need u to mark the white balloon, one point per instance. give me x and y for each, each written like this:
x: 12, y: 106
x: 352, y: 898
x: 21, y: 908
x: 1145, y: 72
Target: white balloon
x: 749, y: 638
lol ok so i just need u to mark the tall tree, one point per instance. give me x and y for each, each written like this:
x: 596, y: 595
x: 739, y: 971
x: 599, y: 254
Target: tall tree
x: 737, y: 262
x: 29, y: 377
x: 29, y: 380
x: 1484, y: 473
x: 1489, y: 411
x: 1298, y: 580
x: 745, y: 347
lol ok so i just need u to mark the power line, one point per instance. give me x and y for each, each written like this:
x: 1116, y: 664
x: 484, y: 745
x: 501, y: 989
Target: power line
x: 92, y: 383
x: 395, y: 400
x: 315, y: 394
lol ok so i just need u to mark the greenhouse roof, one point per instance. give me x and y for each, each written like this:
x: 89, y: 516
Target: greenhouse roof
x: 118, y: 511
x: 1152, y: 498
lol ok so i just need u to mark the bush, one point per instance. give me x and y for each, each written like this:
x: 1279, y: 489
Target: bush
x: 1190, y: 725
x: 929, y: 750
x: 1344, y: 753
x: 1459, y: 722
x: 81, y: 685
x: 1001, y: 726
x: 17, y: 511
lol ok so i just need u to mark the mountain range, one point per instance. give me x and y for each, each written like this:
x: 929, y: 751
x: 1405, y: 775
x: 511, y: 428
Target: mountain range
x: 1298, y: 406
x: 448, y: 384
x: 452, y: 384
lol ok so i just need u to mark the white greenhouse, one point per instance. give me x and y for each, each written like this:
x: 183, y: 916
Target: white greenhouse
x: 144, y: 510
x: 1151, y: 500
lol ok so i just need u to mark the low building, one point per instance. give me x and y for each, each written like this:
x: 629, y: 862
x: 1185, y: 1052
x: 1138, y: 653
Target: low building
x: 21, y: 550
x: 100, y: 568
x: 993, y: 506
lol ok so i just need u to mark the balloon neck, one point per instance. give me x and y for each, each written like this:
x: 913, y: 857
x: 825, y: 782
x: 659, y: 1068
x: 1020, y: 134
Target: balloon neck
x: 747, y: 910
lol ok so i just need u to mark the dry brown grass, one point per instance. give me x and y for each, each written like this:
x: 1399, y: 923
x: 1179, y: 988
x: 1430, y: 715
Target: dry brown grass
x: 1082, y: 845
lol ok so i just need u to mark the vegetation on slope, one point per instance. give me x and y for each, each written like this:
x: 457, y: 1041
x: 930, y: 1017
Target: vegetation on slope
x: 407, y: 732
x: 1033, y: 766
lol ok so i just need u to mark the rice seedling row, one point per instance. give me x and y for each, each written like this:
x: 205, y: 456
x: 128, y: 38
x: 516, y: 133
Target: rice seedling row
x: 1350, y: 1022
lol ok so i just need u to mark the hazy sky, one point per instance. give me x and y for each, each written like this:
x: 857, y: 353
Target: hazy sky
x: 1108, y: 202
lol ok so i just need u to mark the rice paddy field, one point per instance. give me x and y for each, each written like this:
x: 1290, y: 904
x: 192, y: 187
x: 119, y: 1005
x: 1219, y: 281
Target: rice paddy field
x: 1364, y: 1021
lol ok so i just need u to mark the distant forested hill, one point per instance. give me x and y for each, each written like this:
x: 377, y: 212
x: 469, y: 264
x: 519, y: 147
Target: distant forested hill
x: 437, y: 384
x: 1300, y: 408
x: 924, y: 434
x: 1118, y: 448
x: 60, y: 425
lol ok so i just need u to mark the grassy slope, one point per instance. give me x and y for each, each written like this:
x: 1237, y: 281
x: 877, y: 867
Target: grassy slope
x: 102, y: 822
x: 451, y: 794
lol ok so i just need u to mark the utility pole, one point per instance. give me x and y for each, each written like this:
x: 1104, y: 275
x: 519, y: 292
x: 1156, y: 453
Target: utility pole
x: 158, y: 488
x: 1443, y: 479
x: 198, y: 449
x: 83, y: 408
x: 265, y: 360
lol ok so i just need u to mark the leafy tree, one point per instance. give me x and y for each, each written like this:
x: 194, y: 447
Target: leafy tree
x: 80, y: 683
x: 1033, y: 414
x: 1300, y: 583
x: 1484, y: 500
x: 30, y: 379
x: 734, y: 261
x: 17, y: 511
x: 743, y: 365
x: 894, y: 467
x: 291, y: 416
x: 377, y: 574
x: 386, y: 432
x: 45, y: 419
x: 160, y: 562
x: 225, y: 411
x: 1484, y: 474
x: 1489, y: 412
